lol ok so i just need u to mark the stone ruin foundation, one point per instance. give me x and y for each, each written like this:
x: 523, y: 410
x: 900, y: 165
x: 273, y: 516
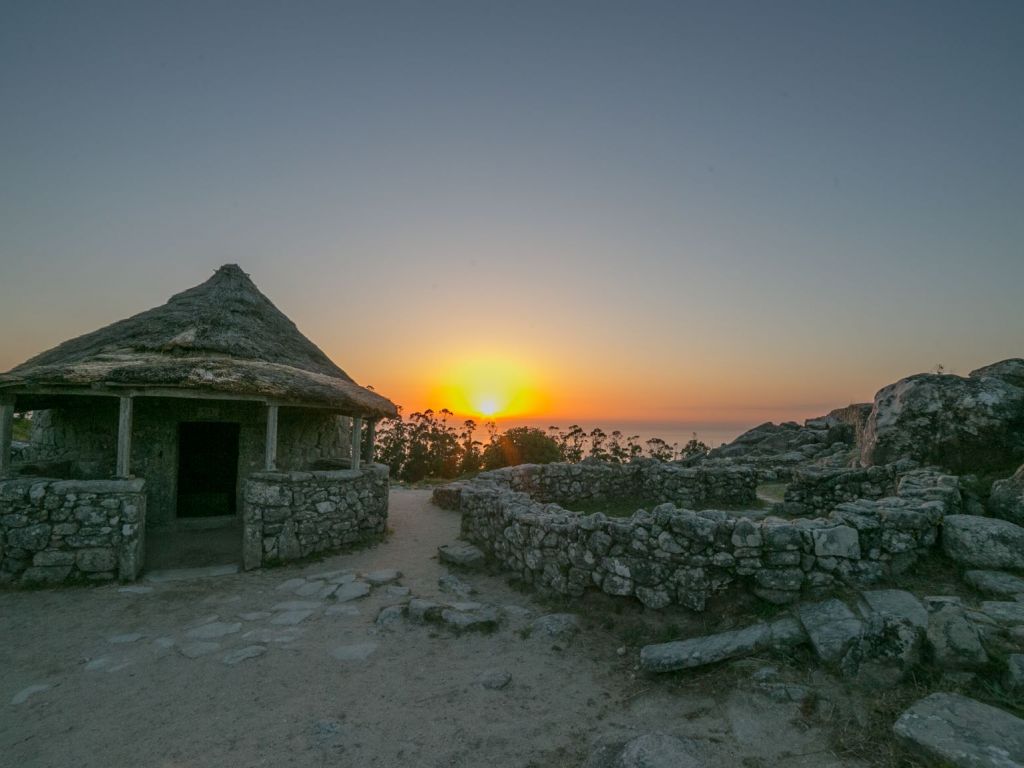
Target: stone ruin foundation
x: 672, y: 554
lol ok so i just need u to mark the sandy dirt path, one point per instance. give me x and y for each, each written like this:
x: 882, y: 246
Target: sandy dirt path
x: 106, y: 677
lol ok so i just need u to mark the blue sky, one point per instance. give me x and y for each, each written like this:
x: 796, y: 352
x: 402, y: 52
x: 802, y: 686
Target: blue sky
x: 663, y: 210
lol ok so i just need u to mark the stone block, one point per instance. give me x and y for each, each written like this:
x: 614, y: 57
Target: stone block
x: 949, y: 729
x: 32, y: 538
x: 840, y: 541
x: 831, y: 626
x: 50, y: 558
x: 95, y: 560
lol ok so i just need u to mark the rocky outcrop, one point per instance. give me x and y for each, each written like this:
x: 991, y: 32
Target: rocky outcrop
x: 1006, y: 500
x: 949, y: 729
x: 774, y: 447
x: 983, y: 542
x: 964, y: 424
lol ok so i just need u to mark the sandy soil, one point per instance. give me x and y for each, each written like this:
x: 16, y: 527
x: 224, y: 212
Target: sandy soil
x: 414, y: 699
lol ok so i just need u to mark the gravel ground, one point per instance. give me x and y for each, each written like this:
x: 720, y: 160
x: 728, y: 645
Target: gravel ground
x: 266, y: 669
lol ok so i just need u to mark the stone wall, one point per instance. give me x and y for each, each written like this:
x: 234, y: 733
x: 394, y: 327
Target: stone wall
x: 644, y: 479
x: 817, y: 491
x: 672, y: 555
x: 61, y: 530
x: 79, y: 441
x: 289, y: 515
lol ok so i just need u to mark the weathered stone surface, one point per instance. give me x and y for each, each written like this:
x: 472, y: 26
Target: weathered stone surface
x: 1005, y: 613
x: 291, y: 585
x: 1014, y: 678
x: 461, y: 555
x: 841, y: 541
x: 831, y: 627
x: 291, y: 618
x: 351, y: 591
x: 244, y: 654
x: 297, y: 605
x: 552, y: 626
x: 984, y: 542
x: 198, y: 648
x: 1006, y: 500
x: 995, y: 582
x: 698, y: 651
x: 897, y: 603
x: 453, y: 585
x: 480, y: 619
x: 885, y: 653
x: 128, y: 637
x: 213, y: 630
x: 953, y: 640
x: 954, y: 730
x: 385, y: 576
x: 390, y: 616
x: 311, y: 588
x: 651, y: 750
x: 26, y: 693
x: 963, y: 424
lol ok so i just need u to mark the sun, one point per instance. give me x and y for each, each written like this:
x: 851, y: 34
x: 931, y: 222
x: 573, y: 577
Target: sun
x: 488, y: 387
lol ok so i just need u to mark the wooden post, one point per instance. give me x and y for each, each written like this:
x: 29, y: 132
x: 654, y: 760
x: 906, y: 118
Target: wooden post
x: 357, y: 440
x: 271, y: 447
x: 124, y: 437
x: 6, y: 432
x: 371, y: 428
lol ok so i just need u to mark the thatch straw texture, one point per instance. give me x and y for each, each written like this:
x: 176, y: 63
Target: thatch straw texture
x: 222, y: 336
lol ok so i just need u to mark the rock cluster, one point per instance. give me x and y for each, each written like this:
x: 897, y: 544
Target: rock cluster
x: 672, y: 555
x: 774, y: 448
x: 965, y: 424
x: 288, y: 515
x: 58, y: 530
x: 876, y: 643
x: 1006, y: 500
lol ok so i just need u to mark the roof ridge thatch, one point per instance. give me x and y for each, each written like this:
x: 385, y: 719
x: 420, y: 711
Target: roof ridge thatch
x: 225, y: 325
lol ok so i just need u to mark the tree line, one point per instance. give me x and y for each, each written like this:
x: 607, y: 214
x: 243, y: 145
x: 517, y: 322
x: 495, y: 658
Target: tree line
x: 425, y: 445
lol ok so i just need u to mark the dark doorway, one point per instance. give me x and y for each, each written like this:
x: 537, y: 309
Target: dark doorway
x: 207, y: 468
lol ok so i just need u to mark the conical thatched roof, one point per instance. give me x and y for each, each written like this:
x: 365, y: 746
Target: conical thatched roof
x: 222, y: 336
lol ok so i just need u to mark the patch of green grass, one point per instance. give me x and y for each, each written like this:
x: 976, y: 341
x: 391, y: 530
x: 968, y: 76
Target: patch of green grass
x: 21, y: 430
x: 612, y: 507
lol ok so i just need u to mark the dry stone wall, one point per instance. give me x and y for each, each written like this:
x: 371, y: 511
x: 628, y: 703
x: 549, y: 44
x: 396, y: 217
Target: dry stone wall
x: 817, y: 490
x: 645, y: 479
x: 66, y: 530
x: 674, y: 555
x: 289, y: 515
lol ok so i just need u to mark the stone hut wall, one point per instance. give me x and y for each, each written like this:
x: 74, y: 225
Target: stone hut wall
x: 289, y: 515
x: 672, y: 555
x: 817, y: 491
x: 60, y: 530
x: 80, y: 441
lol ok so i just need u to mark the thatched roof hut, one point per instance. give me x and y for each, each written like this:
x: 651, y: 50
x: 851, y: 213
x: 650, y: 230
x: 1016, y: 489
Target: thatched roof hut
x: 196, y: 398
x: 223, y: 337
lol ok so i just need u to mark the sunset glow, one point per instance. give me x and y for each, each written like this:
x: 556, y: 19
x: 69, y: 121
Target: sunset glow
x: 489, y: 387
